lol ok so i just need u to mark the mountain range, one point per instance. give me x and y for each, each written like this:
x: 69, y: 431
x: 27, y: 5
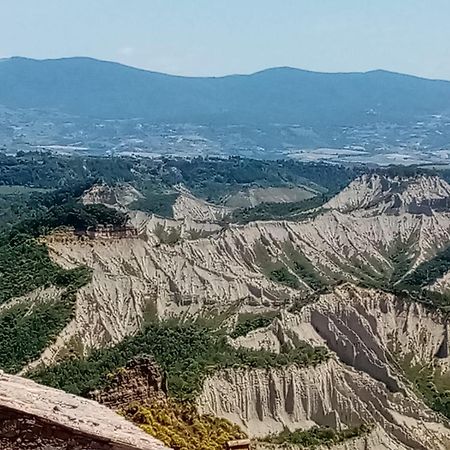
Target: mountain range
x: 92, y: 88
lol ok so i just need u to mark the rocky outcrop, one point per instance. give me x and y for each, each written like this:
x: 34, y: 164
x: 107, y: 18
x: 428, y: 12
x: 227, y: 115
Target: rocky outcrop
x: 368, y: 329
x: 34, y: 417
x: 141, y: 381
x: 386, y: 194
x: 187, y: 206
x: 265, y: 401
x: 134, y: 278
x: 118, y: 196
x: 371, y: 329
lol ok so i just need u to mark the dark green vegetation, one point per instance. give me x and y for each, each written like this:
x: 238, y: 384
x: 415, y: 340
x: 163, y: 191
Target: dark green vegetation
x: 402, y: 257
x: 284, y: 276
x: 48, y: 171
x: 186, y: 353
x: 15, y: 203
x: 76, y: 215
x: 89, y: 88
x: 441, y: 403
x: 24, y: 262
x: 24, y: 266
x: 414, y: 285
x: 305, y: 271
x: 429, y: 271
x: 430, y: 384
x: 249, y: 323
x: 280, y: 211
x: 26, y: 329
x: 209, y: 178
x: 293, y: 268
x: 317, y: 436
x: 212, y: 179
x: 156, y: 203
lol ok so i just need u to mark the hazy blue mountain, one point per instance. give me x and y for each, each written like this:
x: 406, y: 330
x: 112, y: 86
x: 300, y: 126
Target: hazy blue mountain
x: 88, y: 87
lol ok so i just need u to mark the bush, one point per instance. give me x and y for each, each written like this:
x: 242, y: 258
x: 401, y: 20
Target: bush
x: 284, y: 276
x: 243, y: 328
x: 178, y: 425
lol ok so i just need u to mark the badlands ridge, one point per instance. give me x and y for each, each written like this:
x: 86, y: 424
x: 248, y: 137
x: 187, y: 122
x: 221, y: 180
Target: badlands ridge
x: 337, y: 263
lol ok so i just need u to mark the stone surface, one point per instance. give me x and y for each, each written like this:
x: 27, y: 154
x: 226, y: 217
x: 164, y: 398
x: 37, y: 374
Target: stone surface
x: 35, y: 417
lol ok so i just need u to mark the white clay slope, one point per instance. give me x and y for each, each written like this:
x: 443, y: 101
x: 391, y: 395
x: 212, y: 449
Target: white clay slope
x: 368, y: 330
x: 385, y: 194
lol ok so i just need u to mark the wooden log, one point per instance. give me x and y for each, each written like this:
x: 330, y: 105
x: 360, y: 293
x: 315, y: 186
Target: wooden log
x: 239, y: 444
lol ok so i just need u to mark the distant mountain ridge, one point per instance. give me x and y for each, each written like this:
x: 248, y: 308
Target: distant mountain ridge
x: 92, y: 88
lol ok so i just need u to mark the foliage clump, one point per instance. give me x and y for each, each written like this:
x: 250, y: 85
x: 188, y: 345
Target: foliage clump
x: 317, y: 436
x: 179, y: 426
x: 305, y: 271
x: 26, y: 328
x: 284, y: 276
x: 280, y: 211
x: 441, y: 403
x: 157, y: 198
x: 74, y: 214
x: 24, y: 266
x: 253, y: 323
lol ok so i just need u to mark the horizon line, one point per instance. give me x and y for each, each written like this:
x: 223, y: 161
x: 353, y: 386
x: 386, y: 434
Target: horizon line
x: 107, y: 61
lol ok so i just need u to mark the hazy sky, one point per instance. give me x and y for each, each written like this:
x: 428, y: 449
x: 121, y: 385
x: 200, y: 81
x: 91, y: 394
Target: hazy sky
x: 216, y: 37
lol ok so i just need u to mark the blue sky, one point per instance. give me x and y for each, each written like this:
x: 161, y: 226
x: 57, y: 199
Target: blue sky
x: 217, y: 37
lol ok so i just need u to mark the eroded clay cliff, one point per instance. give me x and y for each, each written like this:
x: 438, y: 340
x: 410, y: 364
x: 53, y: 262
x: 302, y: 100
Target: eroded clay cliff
x: 370, y: 333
